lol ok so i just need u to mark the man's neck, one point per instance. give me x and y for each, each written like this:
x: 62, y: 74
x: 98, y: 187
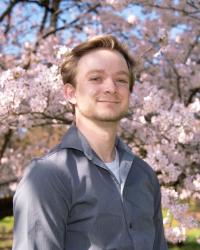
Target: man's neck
x: 101, y: 137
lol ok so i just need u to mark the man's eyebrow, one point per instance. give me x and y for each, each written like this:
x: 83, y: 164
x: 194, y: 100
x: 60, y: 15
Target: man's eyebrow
x: 121, y: 72
x: 95, y: 71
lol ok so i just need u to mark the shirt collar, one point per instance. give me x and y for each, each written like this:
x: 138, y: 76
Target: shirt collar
x: 76, y: 140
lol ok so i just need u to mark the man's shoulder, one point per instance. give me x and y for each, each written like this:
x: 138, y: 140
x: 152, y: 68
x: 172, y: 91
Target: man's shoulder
x: 50, y: 168
x: 144, y: 167
x: 138, y: 164
x: 54, y: 158
x: 69, y: 144
x: 55, y: 161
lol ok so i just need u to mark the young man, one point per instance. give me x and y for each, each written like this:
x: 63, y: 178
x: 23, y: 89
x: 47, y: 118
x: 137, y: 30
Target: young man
x: 91, y: 192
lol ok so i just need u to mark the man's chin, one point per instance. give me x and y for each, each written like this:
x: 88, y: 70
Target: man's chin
x: 113, y: 117
x: 110, y: 118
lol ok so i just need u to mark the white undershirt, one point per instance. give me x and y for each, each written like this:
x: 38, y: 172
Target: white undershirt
x: 114, y: 166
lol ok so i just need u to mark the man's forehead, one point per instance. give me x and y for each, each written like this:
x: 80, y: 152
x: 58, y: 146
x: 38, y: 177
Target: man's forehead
x: 103, y: 59
x: 102, y: 53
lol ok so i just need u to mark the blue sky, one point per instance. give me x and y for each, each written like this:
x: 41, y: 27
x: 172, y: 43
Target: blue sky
x: 34, y: 14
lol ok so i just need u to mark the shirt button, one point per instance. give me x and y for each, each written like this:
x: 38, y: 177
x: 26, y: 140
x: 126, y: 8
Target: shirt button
x: 130, y: 225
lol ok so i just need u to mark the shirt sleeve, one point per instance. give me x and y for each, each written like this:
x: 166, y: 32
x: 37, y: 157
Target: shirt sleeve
x: 160, y: 241
x: 41, y: 206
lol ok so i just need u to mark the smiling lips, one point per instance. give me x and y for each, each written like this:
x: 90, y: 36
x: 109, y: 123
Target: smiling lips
x: 111, y: 100
x: 108, y: 101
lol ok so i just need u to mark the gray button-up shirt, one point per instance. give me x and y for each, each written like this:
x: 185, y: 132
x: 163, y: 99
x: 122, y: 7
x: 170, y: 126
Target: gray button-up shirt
x: 69, y: 200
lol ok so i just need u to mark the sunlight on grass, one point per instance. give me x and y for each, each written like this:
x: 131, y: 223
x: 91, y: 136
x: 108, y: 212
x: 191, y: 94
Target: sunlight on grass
x: 193, y: 234
x: 7, y: 222
x: 190, y: 243
x: 6, y: 226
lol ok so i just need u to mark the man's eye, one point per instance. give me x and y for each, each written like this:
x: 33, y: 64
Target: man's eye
x: 123, y: 81
x: 95, y: 78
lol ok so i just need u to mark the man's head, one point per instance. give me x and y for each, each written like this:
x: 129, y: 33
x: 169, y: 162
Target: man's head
x: 98, y: 77
x: 69, y: 66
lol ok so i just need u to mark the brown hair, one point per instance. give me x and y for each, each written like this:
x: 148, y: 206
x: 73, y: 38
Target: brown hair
x: 68, y: 67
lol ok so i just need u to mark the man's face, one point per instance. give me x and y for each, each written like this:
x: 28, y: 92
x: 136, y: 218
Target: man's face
x: 102, y: 86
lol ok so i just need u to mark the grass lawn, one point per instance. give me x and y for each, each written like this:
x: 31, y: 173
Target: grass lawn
x: 6, y: 226
x: 187, y: 246
x: 191, y: 243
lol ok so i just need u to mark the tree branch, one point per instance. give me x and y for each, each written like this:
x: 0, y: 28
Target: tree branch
x: 44, y: 19
x: 54, y: 15
x: 184, y: 12
x: 7, y: 138
x: 69, y: 24
x: 9, y: 9
x: 191, y: 47
x: 193, y: 93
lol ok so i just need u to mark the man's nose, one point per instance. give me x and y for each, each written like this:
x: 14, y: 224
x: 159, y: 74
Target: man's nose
x: 110, y: 85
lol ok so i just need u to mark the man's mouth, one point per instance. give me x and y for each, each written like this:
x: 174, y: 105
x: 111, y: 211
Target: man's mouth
x: 109, y: 101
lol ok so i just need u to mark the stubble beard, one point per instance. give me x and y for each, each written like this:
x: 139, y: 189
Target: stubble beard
x: 102, y: 117
x: 112, y: 117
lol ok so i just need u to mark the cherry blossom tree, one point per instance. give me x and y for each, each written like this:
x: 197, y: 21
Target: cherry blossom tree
x: 163, y: 124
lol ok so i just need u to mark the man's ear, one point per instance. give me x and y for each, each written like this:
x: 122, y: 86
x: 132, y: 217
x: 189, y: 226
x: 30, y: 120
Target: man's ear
x: 69, y: 93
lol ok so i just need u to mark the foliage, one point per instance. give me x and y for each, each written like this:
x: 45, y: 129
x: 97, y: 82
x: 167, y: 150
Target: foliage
x: 163, y: 125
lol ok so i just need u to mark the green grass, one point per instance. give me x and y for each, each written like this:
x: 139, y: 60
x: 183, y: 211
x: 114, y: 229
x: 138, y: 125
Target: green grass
x: 6, y: 226
x: 190, y: 243
x: 7, y: 222
x: 189, y: 246
x: 193, y: 234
